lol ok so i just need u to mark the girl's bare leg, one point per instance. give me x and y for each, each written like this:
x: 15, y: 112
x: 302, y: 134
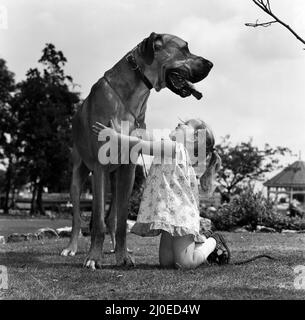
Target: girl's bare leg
x: 188, y: 254
x: 166, y: 254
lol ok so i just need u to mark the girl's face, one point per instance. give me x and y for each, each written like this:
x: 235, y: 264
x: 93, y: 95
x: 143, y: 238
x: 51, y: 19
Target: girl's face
x: 184, y: 131
x: 180, y: 132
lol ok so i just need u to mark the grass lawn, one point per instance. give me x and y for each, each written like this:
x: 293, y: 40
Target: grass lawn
x: 37, y: 271
x: 10, y: 225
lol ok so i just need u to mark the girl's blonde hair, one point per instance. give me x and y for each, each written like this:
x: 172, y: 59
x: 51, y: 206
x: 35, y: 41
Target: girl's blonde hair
x: 214, y: 160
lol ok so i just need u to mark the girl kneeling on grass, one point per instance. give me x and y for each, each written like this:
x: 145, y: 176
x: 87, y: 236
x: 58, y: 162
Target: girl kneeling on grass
x: 170, y: 201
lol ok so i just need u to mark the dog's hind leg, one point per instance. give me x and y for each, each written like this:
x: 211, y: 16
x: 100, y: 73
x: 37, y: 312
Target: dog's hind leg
x: 79, y: 174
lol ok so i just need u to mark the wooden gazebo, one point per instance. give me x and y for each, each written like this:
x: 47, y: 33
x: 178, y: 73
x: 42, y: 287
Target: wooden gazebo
x: 290, y: 181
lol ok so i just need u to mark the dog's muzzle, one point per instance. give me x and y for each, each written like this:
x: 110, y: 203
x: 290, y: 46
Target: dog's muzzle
x: 180, y: 80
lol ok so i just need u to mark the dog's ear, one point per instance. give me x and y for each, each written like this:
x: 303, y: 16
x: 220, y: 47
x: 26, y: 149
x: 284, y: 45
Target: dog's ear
x: 149, y: 45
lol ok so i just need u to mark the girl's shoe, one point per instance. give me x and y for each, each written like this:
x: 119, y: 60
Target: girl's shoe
x: 207, y: 233
x: 221, y: 255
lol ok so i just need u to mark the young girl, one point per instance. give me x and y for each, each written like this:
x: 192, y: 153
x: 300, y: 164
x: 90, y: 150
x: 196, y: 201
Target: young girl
x: 170, y: 201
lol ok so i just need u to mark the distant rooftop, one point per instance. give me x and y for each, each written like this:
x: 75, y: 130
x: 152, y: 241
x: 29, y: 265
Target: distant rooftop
x: 292, y: 176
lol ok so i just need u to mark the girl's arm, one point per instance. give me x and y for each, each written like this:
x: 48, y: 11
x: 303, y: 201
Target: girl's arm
x: 163, y: 148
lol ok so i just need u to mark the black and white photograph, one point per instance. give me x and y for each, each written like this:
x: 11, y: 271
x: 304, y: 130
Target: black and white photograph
x: 152, y: 151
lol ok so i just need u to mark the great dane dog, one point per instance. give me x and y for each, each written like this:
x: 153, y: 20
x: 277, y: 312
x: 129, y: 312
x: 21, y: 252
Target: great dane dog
x: 159, y: 61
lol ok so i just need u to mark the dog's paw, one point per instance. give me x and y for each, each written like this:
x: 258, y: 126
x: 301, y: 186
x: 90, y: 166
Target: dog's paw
x: 93, y: 261
x: 127, y: 260
x: 68, y: 252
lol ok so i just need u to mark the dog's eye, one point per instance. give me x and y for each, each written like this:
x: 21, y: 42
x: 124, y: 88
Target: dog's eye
x: 186, y: 49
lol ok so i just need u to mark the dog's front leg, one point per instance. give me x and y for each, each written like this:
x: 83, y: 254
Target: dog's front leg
x: 111, y: 218
x: 94, y: 258
x: 125, y: 180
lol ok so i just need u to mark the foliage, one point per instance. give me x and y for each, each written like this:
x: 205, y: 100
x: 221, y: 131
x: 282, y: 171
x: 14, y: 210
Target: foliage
x: 243, y: 163
x: 249, y: 209
x: 7, y: 123
x: 2, y: 178
x: 280, y: 220
x: 38, y: 121
x: 9, y: 140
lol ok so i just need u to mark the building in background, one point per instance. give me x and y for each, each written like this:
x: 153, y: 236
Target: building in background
x: 288, y: 185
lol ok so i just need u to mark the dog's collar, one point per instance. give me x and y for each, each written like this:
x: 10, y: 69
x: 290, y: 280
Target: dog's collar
x: 134, y: 66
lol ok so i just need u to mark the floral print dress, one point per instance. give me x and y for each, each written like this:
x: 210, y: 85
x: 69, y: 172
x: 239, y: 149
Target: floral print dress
x: 170, y: 199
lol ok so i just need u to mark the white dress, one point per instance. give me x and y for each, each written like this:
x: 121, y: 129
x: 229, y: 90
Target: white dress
x: 170, y: 199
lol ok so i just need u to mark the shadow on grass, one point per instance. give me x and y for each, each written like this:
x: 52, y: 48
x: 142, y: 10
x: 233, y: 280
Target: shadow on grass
x: 44, y: 260
x: 25, y: 259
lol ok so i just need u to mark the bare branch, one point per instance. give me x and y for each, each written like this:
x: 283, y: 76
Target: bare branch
x: 261, y: 24
x: 262, y: 5
x: 268, y: 4
x: 265, y: 6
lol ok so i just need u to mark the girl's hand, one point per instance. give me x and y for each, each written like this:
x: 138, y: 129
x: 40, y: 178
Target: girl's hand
x: 98, y: 127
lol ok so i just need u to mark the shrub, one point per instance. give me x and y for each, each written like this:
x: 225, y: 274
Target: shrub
x: 250, y: 209
x: 280, y: 221
x: 246, y: 209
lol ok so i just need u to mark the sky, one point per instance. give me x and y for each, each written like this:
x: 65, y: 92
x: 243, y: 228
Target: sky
x: 255, y: 89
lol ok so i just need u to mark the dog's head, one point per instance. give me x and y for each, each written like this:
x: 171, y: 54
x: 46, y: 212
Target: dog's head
x: 170, y: 63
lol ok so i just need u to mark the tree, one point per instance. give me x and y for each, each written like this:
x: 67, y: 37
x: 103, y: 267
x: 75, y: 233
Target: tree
x: 8, y: 124
x: 244, y: 163
x: 45, y: 102
x: 265, y: 6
